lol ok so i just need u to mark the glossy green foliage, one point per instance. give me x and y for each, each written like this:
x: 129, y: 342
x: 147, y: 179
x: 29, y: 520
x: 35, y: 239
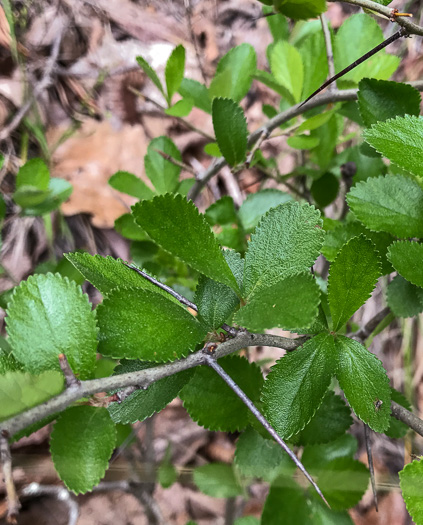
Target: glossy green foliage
x: 315, y: 64
x: 81, y: 445
x: 379, y: 66
x: 212, y: 404
x: 216, y: 301
x: 300, y: 9
x: 144, y: 403
x: 352, y: 279
x: 330, y: 421
x: 217, y: 480
x: 287, y: 68
x: 258, y: 457
x: 288, y: 303
x: 399, y: 139
x: 392, y: 204
x: 296, y: 385
x: 411, y: 483
x: 177, y: 226
x: 364, y: 381
x: 404, y: 299
x: 197, y: 92
x: 285, y: 504
x: 49, y: 315
x: 151, y: 74
x: 286, y: 242
x: 380, y: 100
x: 140, y: 324
x: 258, y: 204
x: 316, y: 456
x: 163, y: 174
x: 328, y: 136
x: 174, y: 71
x: 20, y: 390
x: 230, y: 128
x: 130, y: 184
x: 406, y: 258
x: 234, y: 73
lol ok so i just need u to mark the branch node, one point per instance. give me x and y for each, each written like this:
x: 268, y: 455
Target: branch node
x: 70, y: 378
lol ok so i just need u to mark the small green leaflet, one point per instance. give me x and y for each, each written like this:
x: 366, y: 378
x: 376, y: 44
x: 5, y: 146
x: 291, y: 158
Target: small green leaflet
x: 406, y: 257
x: 286, y: 242
x: 392, y: 204
x: 380, y: 100
x: 140, y: 324
x: 49, y: 315
x: 149, y: 71
x: 230, y: 128
x: 257, y: 204
x: 167, y: 473
x: 352, y: 279
x: 20, y: 390
x: 285, y: 504
x: 217, y: 480
x: 411, y: 483
x: 144, y: 403
x: 404, y: 299
x: 315, y: 64
x: 81, y: 445
x: 33, y: 173
x: 287, y: 68
x: 296, y: 385
x: 174, y: 72
x: 300, y: 9
x: 400, y: 140
x: 212, y: 404
x: 130, y: 184
x: 177, y: 226
x: 163, y: 174
x: 288, y: 303
x: 197, y: 92
x: 364, y: 381
x: 315, y: 457
x: 325, y: 189
x: 397, y: 429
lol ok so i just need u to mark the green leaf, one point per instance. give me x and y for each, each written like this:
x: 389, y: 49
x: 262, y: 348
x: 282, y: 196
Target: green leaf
x: 325, y: 189
x: 49, y: 315
x: 278, y: 24
x: 247, y: 520
x: 59, y: 190
x: 322, y: 515
x: 404, y: 299
x: 130, y: 184
x: 300, y: 9
x: 144, y: 403
x: 380, y: 100
x: 174, y: 71
x: 399, y: 139
x: 163, y: 174
x: 182, y: 108
x: 230, y: 128
x: 212, y: 404
x: 288, y: 303
x: 343, y: 482
x: 81, y: 445
x: 392, y: 204
x: 348, y: 48
x: 332, y: 420
x: 149, y: 71
x: 406, y: 258
x: 397, y: 429
x: 197, y: 92
x: 366, y: 166
x: 286, y: 65
x: 240, y: 63
x: 33, y: 173
x: 364, y: 381
x: 352, y: 278
x: 296, y: 385
x: 315, y: 457
x: 29, y: 196
x: 303, y: 142
x: 127, y: 227
x: 286, y: 242
x: 167, y: 473
x: 269, y: 80
x: 328, y: 137
x: 258, y: 204
x: 212, y: 149
x: 177, y: 226
x: 140, y: 324
x: 315, y: 63
x: 107, y: 273
x: 221, y: 212
x: 285, y: 504
x: 411, y: 483
x: 217, y: 480
x: 20, y: 391
x: 216, y: 301
x: 257, y: 457
x: 314, y: 122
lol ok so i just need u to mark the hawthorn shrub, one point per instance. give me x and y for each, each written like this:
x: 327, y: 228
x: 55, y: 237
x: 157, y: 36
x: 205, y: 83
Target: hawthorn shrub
x: 203, y: 286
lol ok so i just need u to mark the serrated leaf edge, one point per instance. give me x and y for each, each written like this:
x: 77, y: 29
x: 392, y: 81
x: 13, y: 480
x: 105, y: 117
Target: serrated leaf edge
x: 389, y: 259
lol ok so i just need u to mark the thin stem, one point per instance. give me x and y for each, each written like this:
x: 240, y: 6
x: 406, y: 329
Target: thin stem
x: 407, y: 417
x: 328, y: 45
x: 365, y: 332
x: 176, y: 162
x: 257, y: 145
x: 188, y: 9
x: 370, y: 460
x: 13, y: 504
x: 212, y: 363
x: 71, y: 380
